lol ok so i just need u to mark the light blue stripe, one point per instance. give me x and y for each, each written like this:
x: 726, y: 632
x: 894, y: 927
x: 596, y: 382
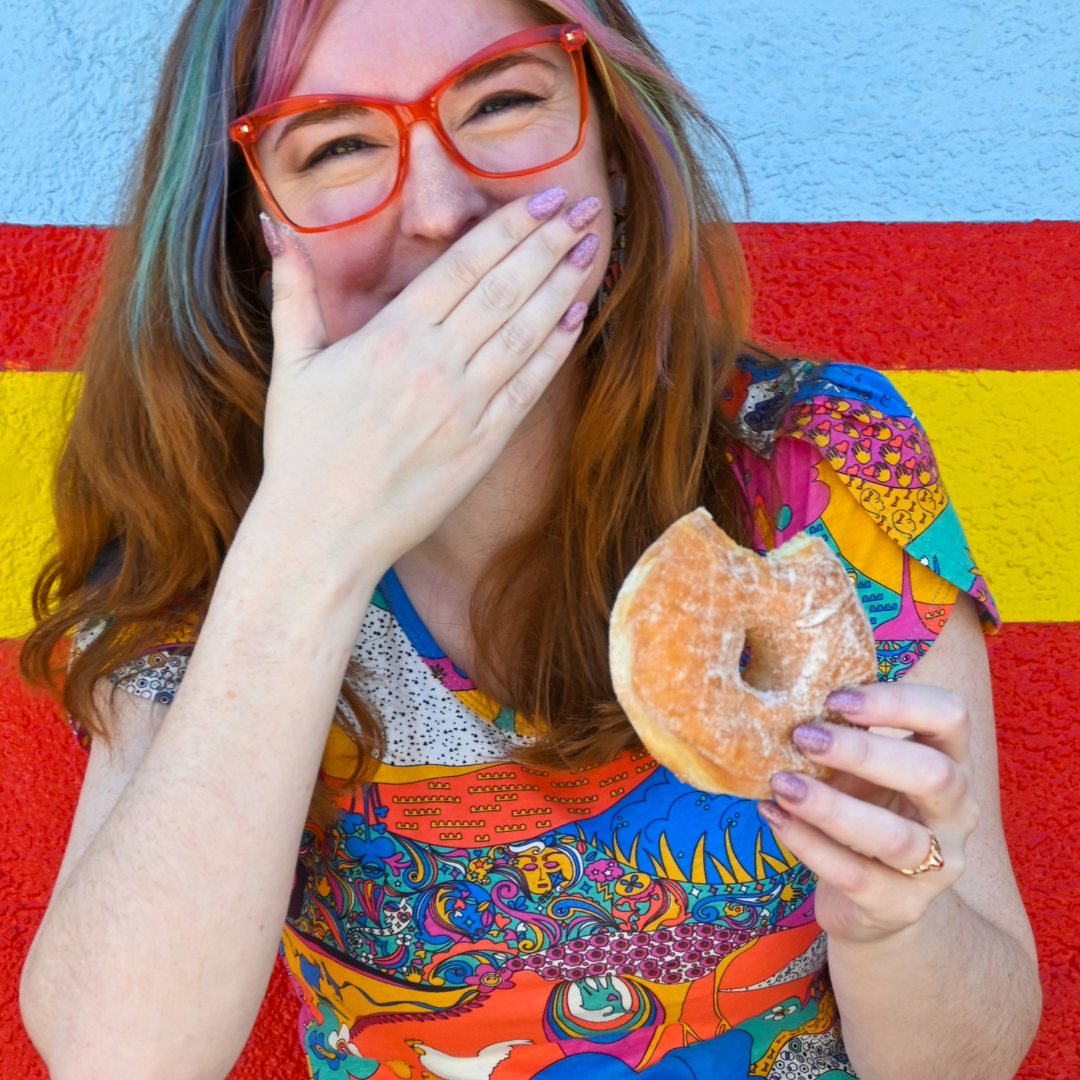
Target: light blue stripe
x: 895, y: 110
x: 900, y: 110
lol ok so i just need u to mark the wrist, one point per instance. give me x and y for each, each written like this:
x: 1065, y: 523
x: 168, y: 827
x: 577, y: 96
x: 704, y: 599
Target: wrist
x: 281, y: 566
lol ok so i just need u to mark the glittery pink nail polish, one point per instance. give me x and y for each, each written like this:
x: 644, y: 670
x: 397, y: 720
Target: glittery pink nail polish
x: 583, y: 213
x: 296, y: 239
x: 811, y: 739
x: 583, y: 252
x: 775, y: 815
x: 547, y: 203
x: 846, y: 701
x: 271, y: 236
x: 574, y: 317
x: 790, y: 787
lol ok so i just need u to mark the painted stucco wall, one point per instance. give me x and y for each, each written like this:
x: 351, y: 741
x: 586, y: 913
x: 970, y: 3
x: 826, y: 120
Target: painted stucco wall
x: 876, y: 110
x: 851, y: 117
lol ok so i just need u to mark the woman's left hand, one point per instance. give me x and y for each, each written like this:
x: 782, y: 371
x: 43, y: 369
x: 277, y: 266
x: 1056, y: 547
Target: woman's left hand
x: 858, y: 833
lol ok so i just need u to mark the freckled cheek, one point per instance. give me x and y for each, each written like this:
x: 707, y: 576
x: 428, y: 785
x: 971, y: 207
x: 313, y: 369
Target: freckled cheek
x: 351, y: 260
x: 351, y: 270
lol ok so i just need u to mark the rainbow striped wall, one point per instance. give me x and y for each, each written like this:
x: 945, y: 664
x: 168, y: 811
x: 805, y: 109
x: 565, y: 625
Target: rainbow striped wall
x: 914, y: 207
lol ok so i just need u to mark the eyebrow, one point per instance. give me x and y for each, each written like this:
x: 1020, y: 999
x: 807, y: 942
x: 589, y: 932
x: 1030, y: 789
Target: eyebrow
x: 318, y: 116
x: 501, y: 63
x: 473, y: 75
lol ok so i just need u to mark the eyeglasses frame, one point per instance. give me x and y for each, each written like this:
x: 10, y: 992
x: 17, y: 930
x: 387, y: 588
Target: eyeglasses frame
x: 246, y: 129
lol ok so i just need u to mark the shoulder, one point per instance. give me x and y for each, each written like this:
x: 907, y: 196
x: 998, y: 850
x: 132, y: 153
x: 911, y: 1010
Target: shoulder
x: 835, y: 450
x: 770, y: 398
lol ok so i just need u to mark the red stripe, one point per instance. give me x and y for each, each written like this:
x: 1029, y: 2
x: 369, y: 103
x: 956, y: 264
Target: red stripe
x: 892, y: 296
x: 47, y: 275
x: 1036, y: 672
x: 1001, y: 296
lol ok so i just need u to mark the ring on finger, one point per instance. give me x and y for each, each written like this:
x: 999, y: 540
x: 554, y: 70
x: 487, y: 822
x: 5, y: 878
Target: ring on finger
x: 934, y: 859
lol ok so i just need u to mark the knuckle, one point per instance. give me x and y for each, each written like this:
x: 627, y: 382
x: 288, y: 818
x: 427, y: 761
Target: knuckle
x: 499, y: 291
x: 908, y: 909
x: 551, y: 243
x: 517, y: 338
x: 282, y: 290
x: 968, y: 817
x: 957, y: 865
x: 852, y: 878
x: 897, y: 844
x: 462, y: 266
x: 858, y: 748
x: 940, y: 775
x: 523, y: 389
x: 954, y: 713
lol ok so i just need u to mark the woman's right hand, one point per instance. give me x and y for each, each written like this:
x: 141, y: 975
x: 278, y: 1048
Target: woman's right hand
x: 383, y: 433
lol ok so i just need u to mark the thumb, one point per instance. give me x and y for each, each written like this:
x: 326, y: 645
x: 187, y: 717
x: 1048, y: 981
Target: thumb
x: 296, y: 315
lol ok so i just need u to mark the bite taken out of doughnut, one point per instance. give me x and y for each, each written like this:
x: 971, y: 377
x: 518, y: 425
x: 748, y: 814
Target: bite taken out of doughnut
x: 680, y: 624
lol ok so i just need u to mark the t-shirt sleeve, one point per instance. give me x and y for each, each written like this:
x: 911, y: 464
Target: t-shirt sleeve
x: 155, y: 675
x: 847, y: 460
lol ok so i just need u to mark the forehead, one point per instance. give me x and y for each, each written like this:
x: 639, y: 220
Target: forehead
x: 398, y: 49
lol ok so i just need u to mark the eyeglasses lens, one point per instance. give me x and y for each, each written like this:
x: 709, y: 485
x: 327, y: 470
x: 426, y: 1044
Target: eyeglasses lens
x: 516, y: 113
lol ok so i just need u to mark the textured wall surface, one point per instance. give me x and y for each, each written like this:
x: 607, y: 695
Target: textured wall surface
x: 881, y: 110
x: 888, y: 110
x: 928, y: 134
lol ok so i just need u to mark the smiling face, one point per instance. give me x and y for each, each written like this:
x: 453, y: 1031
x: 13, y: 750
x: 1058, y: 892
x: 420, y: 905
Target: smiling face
x: 398, y: 50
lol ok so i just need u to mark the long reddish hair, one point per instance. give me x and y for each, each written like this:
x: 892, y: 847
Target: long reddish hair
x: 164, y: 451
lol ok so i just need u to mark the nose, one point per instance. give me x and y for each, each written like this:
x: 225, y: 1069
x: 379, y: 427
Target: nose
x: 439, y: 199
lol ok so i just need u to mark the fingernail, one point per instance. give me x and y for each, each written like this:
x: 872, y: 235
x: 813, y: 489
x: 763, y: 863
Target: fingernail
x: 271, y: 236
x: 574, y: 317
x: 547, y: 203
x: 583, y: 213
x: 583, y: 252
x: 296, y: 240
x: 811, y: 739
x: 775, y: 815
x: 791, y: 787
x: 846, y: 701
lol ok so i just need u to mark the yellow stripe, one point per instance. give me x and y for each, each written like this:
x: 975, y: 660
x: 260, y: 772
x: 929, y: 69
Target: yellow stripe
x: 33, y: 411
x: 1008, y: 443
x: 1009, y: 447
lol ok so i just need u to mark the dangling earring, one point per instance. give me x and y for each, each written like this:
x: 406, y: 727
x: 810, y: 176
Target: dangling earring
x: 617, y: 262
x: 266, y: 290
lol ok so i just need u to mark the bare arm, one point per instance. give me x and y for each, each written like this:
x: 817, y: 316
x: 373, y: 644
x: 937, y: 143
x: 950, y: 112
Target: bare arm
x: 935, y: 976
x: 160, y: 936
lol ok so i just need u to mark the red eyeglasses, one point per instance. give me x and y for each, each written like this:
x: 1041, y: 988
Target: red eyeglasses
x: 327, y: 161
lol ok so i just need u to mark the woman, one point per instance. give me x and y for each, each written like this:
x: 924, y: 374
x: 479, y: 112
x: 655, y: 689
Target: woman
x: 473, y: 427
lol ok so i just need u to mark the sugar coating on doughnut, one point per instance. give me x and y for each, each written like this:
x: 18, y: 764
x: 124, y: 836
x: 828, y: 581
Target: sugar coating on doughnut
x: 680, y: 623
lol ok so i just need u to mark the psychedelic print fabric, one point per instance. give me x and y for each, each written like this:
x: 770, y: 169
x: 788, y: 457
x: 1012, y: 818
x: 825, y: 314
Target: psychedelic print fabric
x: 469, y: 918
x: 847, y: 460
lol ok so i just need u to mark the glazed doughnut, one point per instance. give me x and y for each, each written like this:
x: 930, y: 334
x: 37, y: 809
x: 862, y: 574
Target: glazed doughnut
x: 680, y: 623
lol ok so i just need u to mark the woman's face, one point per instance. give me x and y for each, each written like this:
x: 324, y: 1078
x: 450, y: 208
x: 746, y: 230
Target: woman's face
x: 398, y: 50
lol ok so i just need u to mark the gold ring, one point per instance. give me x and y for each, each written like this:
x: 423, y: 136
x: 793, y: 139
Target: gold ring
x: 934, y: 859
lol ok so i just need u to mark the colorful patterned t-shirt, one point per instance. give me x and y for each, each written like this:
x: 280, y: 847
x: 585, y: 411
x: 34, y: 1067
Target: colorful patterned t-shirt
x: 469, y: 918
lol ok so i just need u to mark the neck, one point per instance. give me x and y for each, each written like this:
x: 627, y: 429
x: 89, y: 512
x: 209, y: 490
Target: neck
x: 441, y: 573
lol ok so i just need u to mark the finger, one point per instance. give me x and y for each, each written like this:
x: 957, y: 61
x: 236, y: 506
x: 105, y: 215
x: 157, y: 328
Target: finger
x: 936, y: 783
x: 296, y: 315
x: 438, y: 290
x: 873, y: 831
x: 513, y: 400
x: 509, y: 285
x: 882, y: 897
x: 515, y: 342
x: 939, y: 717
